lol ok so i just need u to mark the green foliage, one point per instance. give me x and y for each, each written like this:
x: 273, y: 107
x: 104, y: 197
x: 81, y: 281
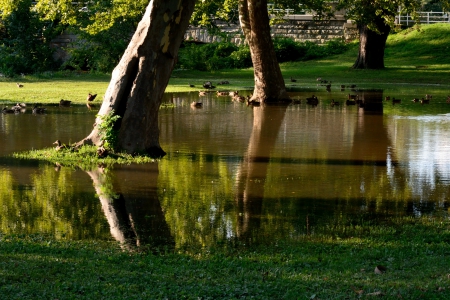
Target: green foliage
x: 225, y: 55
x: 101, y: 51
x: 108, y: 132
x: 25, y: 41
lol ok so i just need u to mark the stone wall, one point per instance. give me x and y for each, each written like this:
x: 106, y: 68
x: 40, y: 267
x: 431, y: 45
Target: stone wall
x: 300, y: 30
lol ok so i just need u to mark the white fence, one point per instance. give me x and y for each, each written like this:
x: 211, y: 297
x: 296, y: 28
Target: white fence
x: 429, y: 17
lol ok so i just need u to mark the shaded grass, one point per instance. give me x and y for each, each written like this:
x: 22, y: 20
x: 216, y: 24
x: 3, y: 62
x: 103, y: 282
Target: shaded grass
x: 338, y: 264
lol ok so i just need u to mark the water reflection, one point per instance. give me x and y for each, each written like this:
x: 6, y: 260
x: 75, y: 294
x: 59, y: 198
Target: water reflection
x: 234, y: 172
x: 129, y: 199
x: 252, y: 173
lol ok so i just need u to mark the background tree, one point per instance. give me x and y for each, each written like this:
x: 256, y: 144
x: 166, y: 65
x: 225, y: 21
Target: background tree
x: 25, y: 39
x: 375, y: 19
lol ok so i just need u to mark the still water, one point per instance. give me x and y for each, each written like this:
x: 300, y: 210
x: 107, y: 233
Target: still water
x: 236, y: 172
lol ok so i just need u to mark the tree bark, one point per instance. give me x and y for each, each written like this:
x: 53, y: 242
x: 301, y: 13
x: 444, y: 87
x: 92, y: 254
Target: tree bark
x: 141, y: 77
x: 371, y: 46
x: 269, y: 82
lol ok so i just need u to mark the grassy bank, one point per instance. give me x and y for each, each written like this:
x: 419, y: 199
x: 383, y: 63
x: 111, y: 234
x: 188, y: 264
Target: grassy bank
x: 412, y: 57
x: 338, y: 264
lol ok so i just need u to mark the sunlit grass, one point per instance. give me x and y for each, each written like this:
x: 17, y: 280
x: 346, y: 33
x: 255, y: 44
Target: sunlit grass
x: 85, y: 157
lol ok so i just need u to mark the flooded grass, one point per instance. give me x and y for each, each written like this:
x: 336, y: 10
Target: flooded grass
x: 85, y: 157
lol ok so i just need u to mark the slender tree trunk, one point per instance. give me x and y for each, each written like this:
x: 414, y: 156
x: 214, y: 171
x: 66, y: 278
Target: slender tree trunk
x: 269, y: 82
x: 140, y: 79
x: 371, y: 46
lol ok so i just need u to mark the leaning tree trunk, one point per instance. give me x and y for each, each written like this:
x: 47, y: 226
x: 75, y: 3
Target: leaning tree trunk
x: 371, y: 46
x: 139, y: 80
x: 269, y: 82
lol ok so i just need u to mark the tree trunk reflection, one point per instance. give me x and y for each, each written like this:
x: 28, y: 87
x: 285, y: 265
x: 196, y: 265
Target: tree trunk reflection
x: 131, y: 206
x: 252, y: 173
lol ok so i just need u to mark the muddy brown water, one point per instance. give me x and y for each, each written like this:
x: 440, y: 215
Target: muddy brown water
x: 235, y: 172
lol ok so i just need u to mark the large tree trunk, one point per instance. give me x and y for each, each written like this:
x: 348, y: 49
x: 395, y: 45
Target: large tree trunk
x: 141, y: 77
x: 371, y: 46
x: 269, y: 82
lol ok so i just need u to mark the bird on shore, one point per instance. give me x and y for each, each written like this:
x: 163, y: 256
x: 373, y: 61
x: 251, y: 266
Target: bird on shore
x: 191, y: 85
x: 293, y: 80
x: 208, y: 85
x: 394, y: 101
x: 91, y: 97
x: 19, y: 85
x: 425, y: 101
x: 59, y: 145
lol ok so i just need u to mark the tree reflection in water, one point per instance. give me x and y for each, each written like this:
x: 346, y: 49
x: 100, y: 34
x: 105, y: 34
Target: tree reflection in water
x: 129, y: 199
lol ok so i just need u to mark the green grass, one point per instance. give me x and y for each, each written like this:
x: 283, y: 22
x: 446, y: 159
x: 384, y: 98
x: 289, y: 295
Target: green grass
x: 412, y: 57
x: 338, y: 264
x: 85, y: 157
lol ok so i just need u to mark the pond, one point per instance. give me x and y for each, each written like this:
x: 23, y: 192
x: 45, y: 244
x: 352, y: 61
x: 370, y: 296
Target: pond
x: 235, y: 172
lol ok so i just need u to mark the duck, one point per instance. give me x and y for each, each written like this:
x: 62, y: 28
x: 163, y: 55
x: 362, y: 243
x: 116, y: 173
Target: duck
x: 312, y: 100
x: 90, y: 97
x: 394, y: 101
x: 240, y: 98
x: 59, y: 145
x: 102, y: 151
x: 7, y: 110
x: 38, y: 110
x: 196, y: 104
x: 425, y: 101
x: 352, y: 97
x: 333, y: 103
x: 342, y: 86
x: 253, y: 103
x: 19, y: 85
x: 224, y: 82
x: 208, y: 85
x: 350, y: 102
x: 233, y: 93
x: 293, y: 80
x: 415, y: 100
x: 191, y: 85
x: 387, y: 98
x: 19, y: 107
x: 202, y: 93
x: 219, y: 93
x: 428, y: 96
x: 352, y: 86
x: 63, y: 102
